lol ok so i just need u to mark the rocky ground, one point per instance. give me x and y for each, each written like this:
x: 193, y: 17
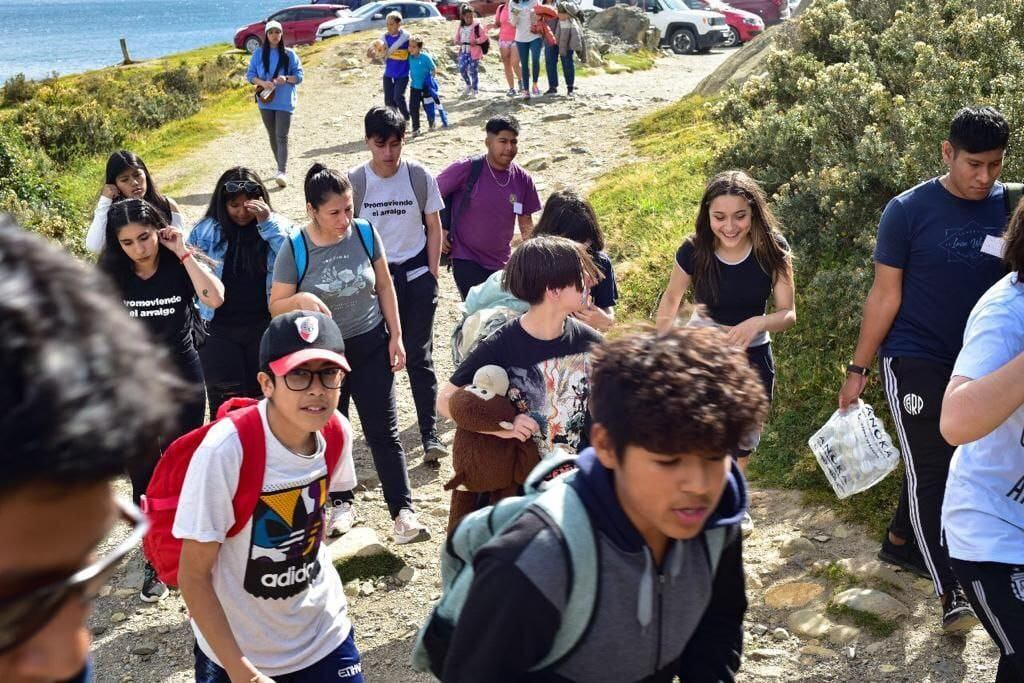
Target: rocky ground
x: 797, y: 558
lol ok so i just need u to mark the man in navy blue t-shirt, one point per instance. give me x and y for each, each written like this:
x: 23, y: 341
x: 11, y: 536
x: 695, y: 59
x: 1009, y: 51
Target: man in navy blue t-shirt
x: 938, y: 251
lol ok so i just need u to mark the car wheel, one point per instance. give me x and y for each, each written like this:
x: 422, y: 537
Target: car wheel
x: 734, y: 38
x: 251, y: 43
x: 683, y: 41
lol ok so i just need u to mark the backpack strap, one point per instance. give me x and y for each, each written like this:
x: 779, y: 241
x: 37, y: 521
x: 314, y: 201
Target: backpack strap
x: 358, y: 180
x: 1012, y: 193
x: 334, y: 435
x: 715, y: 540
x: 249, y: 426
x: 301, y: 255
x: 420, y: 184
x: 476, y: 166
x: 365, y: 230
x: 562, y: 505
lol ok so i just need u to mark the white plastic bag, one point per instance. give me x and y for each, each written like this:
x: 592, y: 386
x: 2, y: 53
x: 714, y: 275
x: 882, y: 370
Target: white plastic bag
x: 854, y: 450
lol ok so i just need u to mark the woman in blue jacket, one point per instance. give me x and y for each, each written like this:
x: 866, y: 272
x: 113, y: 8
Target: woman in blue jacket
x: 242, y: 235
x: 277, y: 70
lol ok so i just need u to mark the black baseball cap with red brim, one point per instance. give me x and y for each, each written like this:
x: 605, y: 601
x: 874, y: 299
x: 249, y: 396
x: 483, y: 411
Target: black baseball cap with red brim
x: 299, y: 337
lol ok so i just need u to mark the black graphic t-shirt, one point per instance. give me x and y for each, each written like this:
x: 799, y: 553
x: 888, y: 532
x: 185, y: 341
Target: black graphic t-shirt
x: 548, y: 379
x: 162, y: 304
x: 938, y: 240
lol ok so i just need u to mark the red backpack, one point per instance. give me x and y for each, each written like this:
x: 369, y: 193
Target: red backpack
x: 160, y: 503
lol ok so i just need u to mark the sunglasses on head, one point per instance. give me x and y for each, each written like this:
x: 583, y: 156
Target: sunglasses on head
x: 246, y: 186
x: 23, y: 616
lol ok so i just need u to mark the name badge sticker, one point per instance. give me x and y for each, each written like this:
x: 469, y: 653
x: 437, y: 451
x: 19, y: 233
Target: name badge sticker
x: 993, y: 246
x: 517, y: 208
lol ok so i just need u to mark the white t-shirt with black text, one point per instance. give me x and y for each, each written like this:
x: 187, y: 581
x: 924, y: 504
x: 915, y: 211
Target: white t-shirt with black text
x: 280, y: 593
x: 390, y: 204
x: 983, y: 509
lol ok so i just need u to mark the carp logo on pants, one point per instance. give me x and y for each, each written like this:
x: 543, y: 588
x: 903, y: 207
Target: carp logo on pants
x: 1017, y: 583
x: 913, y: 404
x: 287, y: 527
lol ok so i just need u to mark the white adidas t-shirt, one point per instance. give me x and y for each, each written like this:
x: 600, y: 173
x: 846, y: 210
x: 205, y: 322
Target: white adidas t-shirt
x: 283, y: 599
x: 983, y: 510
x: 390, y: 204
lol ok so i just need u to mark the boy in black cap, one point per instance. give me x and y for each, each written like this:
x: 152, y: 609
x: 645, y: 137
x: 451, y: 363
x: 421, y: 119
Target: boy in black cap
x: 265, y: 601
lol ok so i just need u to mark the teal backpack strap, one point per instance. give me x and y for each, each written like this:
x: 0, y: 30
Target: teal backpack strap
x: 715, y: 539
x: 300, y: 254
x: 365, y: 230
x: 563, y: 506
x: 358, y: 180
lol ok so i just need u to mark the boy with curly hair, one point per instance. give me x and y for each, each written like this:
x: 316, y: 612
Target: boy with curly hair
x: 668, y: 410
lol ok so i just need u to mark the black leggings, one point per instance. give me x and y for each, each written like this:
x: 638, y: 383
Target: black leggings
x: 762, y: 360
x: 996, y: 592
x: 371, y: 384
x: 231, y: 361
x: 191, y: 414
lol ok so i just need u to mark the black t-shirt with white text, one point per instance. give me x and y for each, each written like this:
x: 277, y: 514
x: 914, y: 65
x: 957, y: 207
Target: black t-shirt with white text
x: 162, y: 303
x: 548, y: 379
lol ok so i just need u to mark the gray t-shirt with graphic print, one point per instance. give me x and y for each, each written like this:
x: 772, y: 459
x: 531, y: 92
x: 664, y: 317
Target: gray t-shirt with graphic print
x: 342, y: 276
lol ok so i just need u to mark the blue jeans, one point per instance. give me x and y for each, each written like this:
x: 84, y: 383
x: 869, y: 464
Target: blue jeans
x: 525, y: 49
x: 341, y: 665
x: 551, y: 65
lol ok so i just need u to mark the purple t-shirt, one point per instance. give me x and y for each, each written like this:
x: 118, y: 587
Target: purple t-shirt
x: 485, y: 227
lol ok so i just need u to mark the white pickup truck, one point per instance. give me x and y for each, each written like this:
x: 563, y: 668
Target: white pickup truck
x: 683, y: 29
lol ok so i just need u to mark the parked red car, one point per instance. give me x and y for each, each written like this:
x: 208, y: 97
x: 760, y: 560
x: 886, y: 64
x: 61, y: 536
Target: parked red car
x: 299, y: 23
x: 772, y: 11
x: 743, y: 26
x: 449, y: 9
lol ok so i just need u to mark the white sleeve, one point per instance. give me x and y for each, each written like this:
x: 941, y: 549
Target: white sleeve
x: 994, y: 336
x: 434, y: 200
x: 205, y: 510
x: 344, y: 478
x: 178, y: 221
x: 97, y: 235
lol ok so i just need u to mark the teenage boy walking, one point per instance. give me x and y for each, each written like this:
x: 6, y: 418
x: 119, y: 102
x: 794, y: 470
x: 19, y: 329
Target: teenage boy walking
x: 667, y: 410
x: 501, y: 196
x: 400, y: 198
x: 266, y: 603
x: 85, y: 395
x: 937, y: 252
x: 545, y: 351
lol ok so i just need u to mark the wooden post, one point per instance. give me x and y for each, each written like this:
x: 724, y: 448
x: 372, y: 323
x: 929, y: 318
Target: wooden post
x: 124, y: 52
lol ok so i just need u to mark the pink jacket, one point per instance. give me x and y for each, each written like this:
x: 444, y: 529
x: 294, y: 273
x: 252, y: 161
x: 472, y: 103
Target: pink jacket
x: 506, y: 29
x: 477, y: 38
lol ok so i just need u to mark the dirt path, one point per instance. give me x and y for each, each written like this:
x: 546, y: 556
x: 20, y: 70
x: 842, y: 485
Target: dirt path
x: 569, y: 142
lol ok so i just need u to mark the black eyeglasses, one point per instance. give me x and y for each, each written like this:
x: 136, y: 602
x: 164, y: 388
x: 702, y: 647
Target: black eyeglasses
x: 246, y: 186
x: 23, y: 616
x: 300, y: 380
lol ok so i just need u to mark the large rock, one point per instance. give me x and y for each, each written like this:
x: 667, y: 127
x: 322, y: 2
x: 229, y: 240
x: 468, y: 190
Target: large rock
x: 747, y: 61
x: 627, y: 23
x: 796, y: 546
x: 871, y: 601
x: 789, y: 595
x: 809, y: 623
x: 359, y: 542
x: 862, y: 568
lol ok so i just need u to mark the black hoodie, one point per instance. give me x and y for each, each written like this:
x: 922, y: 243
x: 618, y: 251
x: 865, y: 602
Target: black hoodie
x: 650, y: 624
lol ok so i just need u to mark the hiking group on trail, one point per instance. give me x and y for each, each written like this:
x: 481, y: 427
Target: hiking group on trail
x: 599, y: 501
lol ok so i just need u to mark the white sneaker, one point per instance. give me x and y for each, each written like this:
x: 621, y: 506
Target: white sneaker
x: 747, y: 525
x: 281, y: 179
x: 340, y: 518
x: 408, y: 528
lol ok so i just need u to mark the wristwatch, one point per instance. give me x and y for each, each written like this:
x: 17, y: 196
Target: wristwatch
x: 857, y: 369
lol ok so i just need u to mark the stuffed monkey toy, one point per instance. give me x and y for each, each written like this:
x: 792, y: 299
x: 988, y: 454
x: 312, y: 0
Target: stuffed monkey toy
x: 487, y: 468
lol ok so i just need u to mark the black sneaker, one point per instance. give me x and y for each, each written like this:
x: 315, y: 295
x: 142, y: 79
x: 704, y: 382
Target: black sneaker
x: 957, y: 614
x: 907, y: 556
x: 551, y: 91
x: 433, y: 449
x: 153, y: 589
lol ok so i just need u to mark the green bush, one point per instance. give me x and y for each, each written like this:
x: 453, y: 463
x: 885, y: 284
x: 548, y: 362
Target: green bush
x: 18, y: 89
x: 848, y: 115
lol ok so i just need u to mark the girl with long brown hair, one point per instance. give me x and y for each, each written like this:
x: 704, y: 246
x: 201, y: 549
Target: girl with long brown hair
x: 736, y: 260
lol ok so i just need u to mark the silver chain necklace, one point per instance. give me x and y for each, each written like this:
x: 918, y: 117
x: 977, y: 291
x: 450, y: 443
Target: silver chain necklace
x: 488, y: 162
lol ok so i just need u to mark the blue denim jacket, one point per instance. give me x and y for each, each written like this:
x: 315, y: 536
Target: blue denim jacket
x: 206, y: 237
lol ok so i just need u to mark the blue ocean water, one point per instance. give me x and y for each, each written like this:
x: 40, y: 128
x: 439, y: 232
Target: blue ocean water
x: 69, y: 36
